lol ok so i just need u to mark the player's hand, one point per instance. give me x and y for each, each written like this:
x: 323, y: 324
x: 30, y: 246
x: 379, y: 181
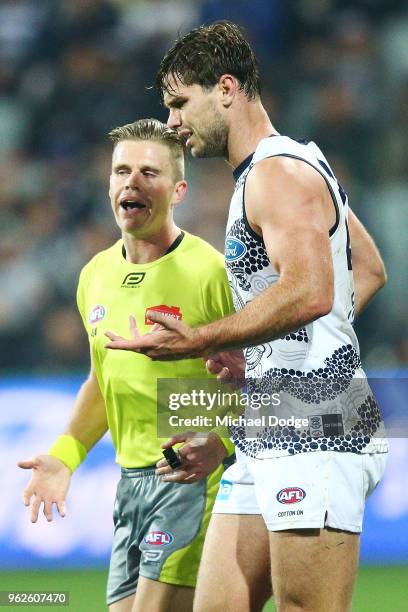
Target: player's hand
x: 49, y: 484
x: 229, y: 366
x: 169, y: 340
x: 201, y: 454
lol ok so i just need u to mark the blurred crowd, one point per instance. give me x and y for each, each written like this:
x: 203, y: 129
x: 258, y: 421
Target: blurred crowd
x: 71, y: 70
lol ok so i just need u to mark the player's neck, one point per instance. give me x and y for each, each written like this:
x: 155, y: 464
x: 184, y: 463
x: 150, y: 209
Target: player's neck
x: 250, y: 126
x: 141, y: 251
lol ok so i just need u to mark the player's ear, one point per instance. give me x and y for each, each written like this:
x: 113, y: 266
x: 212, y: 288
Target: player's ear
x: 180, y: 190
x: 228, y: 86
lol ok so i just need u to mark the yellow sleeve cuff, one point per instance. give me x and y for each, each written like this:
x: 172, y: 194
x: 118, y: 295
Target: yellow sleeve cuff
x: 69, y: 450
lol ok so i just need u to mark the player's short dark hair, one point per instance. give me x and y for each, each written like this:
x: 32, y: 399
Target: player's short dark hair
x: 156, y: 131
x: 206, y: 53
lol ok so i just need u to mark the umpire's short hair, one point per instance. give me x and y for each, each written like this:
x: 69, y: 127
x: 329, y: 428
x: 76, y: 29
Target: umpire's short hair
x: 155, y: 131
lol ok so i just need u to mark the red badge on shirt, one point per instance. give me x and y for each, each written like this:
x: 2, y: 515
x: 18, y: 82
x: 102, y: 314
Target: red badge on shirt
x: 168, y: 311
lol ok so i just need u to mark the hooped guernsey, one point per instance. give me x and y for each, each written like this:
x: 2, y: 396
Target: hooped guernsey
x: 188, y: 283
x: 315, y: 369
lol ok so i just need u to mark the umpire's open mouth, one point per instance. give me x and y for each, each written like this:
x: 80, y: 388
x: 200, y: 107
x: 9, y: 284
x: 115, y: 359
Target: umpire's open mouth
x: 131, y: 204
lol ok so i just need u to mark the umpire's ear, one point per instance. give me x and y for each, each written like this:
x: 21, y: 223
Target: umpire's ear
x: 180, y: 190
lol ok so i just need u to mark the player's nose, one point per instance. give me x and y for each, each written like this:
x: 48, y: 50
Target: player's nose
x: 174, y: 120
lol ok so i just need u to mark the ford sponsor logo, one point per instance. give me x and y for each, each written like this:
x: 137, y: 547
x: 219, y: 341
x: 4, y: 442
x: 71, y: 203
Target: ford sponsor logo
x: 234, y: 249
x: 97, y: 314
x: 159, y: 538
x: 291, y: 495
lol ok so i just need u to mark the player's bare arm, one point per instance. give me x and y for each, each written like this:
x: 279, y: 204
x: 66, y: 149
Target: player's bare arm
x: 287, y: 203
x: 368, y: 267
x: 51, y: 478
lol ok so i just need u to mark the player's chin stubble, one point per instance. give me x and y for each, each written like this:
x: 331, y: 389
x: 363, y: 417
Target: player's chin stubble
x: 215, y: 141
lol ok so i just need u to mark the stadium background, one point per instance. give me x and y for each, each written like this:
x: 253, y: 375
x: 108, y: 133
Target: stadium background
x: 71, y: 70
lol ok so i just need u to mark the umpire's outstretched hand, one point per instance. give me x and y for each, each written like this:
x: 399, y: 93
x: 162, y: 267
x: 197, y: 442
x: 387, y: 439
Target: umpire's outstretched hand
x: 49, y: 484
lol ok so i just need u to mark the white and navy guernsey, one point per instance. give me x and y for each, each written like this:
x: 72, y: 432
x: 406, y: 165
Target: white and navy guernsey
x: 316, y: 369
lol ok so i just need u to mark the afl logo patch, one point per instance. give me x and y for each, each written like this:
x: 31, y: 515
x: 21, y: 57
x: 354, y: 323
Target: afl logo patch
x: 234, y: 249
x: 291, y: 495
x: 159, y: 538
x: 97, y: 314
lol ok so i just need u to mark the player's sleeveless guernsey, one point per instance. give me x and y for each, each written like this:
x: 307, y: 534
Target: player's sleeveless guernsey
x: 341, y: 411
x: 188, y: 283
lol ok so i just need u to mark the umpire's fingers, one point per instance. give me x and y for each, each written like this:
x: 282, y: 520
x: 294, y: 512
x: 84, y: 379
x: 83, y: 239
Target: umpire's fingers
x: 27, y: 494
x: 181, y: 437
x: 176, y: 475
x: 35, y: 507
x: 61, y: 508
x: 27, y: 464
x: 163, y: 468
x: 47, y: 510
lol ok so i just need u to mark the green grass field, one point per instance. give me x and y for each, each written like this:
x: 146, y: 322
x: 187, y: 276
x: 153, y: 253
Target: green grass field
x: 379, y: 589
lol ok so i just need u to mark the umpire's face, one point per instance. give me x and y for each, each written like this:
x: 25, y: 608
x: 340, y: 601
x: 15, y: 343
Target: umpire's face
x: 143, y: 188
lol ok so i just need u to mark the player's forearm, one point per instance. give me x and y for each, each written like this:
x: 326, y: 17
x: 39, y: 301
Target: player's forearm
x: 366, y: 285
x: 368, y: 267
x: 282, y: 308
x: 88, y: 422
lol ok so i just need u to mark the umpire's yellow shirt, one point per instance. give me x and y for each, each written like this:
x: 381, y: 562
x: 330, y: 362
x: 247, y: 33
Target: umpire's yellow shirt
x: 189, y: 282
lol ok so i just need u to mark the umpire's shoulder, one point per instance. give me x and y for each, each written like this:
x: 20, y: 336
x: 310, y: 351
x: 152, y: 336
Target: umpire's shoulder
x: 102, y: 261
x: 203, y: 254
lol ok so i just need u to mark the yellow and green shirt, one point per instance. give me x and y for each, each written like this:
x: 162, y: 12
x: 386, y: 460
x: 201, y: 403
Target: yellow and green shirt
x: 189, y: 283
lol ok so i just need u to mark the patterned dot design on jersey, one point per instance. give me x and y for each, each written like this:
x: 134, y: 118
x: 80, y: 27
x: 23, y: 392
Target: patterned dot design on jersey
x: 300, y: 335
x: 255, y: 257
x: 370, y: 417
x: 325, y: 383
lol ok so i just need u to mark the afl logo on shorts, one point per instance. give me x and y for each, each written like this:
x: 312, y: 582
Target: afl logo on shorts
x: 97, y: 314
x: 234, y: 249
x: 291, y: 495
x: 159, y: 538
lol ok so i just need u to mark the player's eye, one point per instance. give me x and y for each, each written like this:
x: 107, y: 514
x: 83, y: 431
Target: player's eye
x: 178, y: 104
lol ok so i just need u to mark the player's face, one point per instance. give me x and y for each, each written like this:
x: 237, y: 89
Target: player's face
x: 143, y: 188
x: 194, y: 113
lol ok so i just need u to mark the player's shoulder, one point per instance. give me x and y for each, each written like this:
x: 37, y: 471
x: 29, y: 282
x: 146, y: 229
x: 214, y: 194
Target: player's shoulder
x: 280, y: 145
x: 283, y: 161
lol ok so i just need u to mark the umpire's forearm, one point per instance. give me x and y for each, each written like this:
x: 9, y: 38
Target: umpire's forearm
x: 88, y: 421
